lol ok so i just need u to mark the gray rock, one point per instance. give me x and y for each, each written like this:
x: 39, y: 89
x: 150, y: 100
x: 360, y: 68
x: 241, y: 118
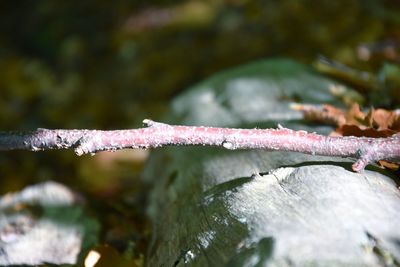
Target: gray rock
x: 43, y: 224
x: 213, y: 207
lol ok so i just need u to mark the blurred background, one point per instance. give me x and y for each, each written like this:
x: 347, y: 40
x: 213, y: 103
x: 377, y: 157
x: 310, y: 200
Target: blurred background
x: 110, y: 64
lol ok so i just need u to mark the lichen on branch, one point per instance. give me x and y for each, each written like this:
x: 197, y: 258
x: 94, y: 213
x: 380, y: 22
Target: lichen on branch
x: 364, y: 149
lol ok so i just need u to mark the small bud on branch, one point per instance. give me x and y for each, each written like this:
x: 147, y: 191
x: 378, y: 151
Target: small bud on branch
x: 365, y: 150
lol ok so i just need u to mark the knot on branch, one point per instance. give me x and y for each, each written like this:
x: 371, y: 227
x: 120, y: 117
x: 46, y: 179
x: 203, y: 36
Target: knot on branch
x: 85, y: 145
x: 151, y: 123
x: 364, y: 157
x: 229, y: 144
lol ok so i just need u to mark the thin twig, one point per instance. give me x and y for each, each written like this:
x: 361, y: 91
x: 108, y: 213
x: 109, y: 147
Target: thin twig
x: 364, y: 150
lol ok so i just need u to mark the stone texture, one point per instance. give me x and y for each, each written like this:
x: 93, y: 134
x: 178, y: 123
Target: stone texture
x: 43, y: 224
x: 213, y: 207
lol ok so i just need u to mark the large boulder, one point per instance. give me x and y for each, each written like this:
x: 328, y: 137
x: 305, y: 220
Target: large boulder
x: 214, y: 207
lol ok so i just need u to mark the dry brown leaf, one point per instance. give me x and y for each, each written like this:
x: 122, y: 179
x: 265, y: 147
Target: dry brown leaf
x: 355, y: 130
x: 382, y: 119
x: 376, y: 123
x: 326, y: 114
x: 354, y: 116
x: 389, y: 165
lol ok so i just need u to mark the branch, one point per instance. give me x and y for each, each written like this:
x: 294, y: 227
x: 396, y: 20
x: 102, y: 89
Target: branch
x: 365, y: 150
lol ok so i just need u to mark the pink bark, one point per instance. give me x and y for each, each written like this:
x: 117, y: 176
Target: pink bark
x: 365, y: 150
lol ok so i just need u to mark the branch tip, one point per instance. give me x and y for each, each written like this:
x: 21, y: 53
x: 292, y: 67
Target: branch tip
x: 228, y: 145
x: 79, y: 151
x: 148, y: 122
x: 151, y: 123
x: 359, y: 165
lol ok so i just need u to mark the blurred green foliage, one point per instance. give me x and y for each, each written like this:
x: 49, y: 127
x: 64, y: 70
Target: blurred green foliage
x: 70, y: 64
x: 110, y: 64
